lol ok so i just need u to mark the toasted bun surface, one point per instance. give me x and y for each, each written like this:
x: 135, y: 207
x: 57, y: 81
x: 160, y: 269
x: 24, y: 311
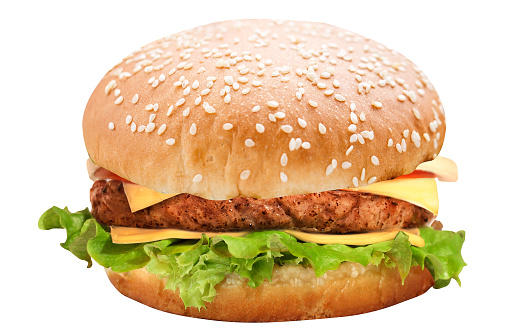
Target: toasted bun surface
x: 293, y: 294
x: 262, y: 109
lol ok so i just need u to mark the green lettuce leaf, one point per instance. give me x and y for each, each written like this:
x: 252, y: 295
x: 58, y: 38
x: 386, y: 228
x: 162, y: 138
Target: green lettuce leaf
x: 195, y: 267
x: 441, y: 255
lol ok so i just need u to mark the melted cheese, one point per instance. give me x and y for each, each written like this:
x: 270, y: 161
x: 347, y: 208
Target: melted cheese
x: 418, y: 191
x: 140, y: 197
x: 130, y: 235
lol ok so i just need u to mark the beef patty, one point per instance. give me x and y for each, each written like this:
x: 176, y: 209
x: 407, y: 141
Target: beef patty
x: 336, y: 211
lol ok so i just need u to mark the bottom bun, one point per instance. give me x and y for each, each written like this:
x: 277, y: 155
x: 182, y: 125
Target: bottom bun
x: 294, y: 293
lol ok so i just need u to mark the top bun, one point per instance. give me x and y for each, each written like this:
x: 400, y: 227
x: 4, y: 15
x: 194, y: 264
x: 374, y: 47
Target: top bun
x: 260, y: 108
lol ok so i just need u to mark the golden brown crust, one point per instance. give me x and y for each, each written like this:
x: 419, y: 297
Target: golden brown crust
x: 292, y: 295
x: 391, y: 119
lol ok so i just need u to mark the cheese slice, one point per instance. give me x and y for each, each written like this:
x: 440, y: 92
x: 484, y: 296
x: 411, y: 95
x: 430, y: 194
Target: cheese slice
x: 420, y: 191
x: 140, y: 197
x: 131, y: 235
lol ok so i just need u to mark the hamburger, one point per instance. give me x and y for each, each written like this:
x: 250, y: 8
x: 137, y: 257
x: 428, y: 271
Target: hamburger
x: 262, y: 170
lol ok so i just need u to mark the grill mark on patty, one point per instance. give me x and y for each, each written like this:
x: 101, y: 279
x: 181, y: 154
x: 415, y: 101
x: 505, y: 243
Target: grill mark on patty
x: 336, y: 211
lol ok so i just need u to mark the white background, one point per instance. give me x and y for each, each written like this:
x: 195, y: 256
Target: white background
x: 54, y: 53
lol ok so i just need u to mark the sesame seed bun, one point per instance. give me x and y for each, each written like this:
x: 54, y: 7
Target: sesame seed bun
x: 262, y: 109
x: 294, y: 293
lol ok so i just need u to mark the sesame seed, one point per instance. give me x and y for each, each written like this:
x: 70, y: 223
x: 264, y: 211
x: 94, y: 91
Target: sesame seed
x: 111, y: 126
x: 150, y: 127
x: 205, y: 91
x: 286, y: 128
x: 340, y: 98
x: 133, y: 127
x: 362, y: 116
x: 374, y: 160
x: 119, y: 100
x: 353, y: 117
x: 128, y: 119
x: 229, y: 80
x: 334, y: 163
x: 249, y: 143
x: 245, y: 91
x: 371, y: 180
x: 312, y: 103
x: 336, y: 83
x: 298, y: 143
x: 426, y: 136
x: 362, y: 175
x: 272, y: 118
x: 416, y: 139
x: 209, y: 109
x: 390, y: 142
x: 322, y: 128
x: 284, y: 159
x: 245, y: 174
x: 193, y: 129
x: 186, y: 112
x: 306, y: 145
x: 355, y: 181
x: 283, y: 177
x: 416, y: 113
x: 302, y: 123
x: 141, y: 128
x: 348, y: 151
x: 256, y: 108
x: 152, y: 117
x: 170, y: 141
x: 197, y: 178
x: 377, y: 104
x: 180, y: 102
x: 352, y: 106
x: 162, y: 129
x: 329, y: 169
x: 110, y: 86
x: 403, y: 145
x: 360, y: 137
x: 198, y: 100
x: 279, y: 115
x: 346, y: 165
x: 406, y: 133
x: 352, y: 128
x: 227, y: 126
x: 135, y: 99
x: 273, y: 104
x: 260, y: 128
x: 292, y: 144
x: 257, y: 83
x: 227, y: 98
x: 149, y: 107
